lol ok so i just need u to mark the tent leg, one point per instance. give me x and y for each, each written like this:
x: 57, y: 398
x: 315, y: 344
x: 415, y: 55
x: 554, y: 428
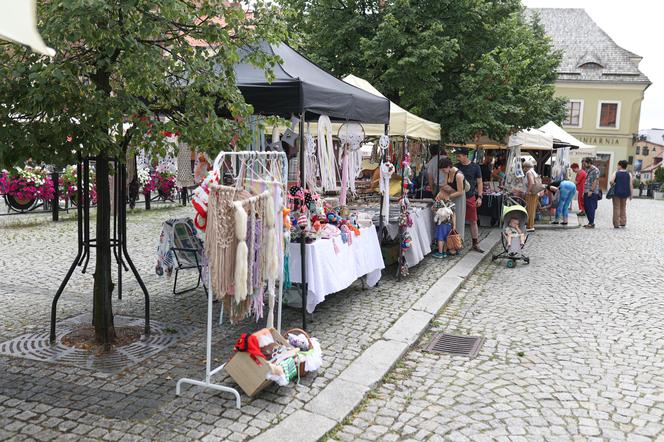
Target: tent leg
x: 303, y: 251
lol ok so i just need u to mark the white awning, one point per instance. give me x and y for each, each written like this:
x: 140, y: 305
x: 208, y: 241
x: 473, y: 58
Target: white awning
x: 18, y: 24
x: 531, y: 139
x: 560, y: 134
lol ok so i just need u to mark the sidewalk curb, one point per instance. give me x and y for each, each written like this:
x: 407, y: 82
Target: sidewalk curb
x: 573, y: 224
x: 341, y: 396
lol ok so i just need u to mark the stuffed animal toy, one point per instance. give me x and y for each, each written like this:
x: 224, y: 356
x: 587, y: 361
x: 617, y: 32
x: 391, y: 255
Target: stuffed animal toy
x: 346, y: 236
x: 333, y: 218
x: 302, y: 221
x: 287, y: 221
x: 443, y: 215
x: 200, y: 200
x: 298, y: 341
x: 406, y: 242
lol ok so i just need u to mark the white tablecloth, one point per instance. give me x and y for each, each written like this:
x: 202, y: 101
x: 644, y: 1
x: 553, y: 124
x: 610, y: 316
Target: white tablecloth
x: 329, y: 272
x: 421, y: 232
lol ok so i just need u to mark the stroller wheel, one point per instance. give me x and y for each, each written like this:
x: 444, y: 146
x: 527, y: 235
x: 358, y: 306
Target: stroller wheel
x: 511, y: 264
x: 493, y: 258
x: 526, y: 260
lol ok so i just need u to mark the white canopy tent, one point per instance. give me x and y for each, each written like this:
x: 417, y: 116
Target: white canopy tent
x: 402, y: 122
x: 559, y: 133
x: 18, y: 24
x: 531, y: 139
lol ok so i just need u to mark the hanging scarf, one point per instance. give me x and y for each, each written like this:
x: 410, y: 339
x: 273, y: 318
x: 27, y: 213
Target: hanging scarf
x: 386, y: 171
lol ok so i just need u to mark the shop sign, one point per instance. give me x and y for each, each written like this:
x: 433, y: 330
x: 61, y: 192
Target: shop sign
x: 604, y: 141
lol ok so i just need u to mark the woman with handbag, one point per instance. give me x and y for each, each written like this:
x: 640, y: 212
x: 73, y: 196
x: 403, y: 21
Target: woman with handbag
x: 533, y: 188
x: 621, y: 190
x: 454, y: 186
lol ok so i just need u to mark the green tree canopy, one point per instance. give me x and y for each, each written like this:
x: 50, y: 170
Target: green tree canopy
x: 125, y: 72
x: 150, y: 65
x: 475, y: 66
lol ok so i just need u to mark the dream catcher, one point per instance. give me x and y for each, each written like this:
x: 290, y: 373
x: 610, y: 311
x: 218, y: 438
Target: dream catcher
x: 351, y: 135
x: 514, y: 176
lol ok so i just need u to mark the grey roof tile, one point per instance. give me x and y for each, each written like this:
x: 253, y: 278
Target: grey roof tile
x: 589, y: 54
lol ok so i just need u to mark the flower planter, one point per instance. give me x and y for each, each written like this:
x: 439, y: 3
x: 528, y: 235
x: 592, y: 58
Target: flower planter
x: 635, y: 193
x: 20, y: 204
x: 658, y: 195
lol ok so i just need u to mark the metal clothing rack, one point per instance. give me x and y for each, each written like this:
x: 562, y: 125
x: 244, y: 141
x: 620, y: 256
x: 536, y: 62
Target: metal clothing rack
x: 261, y: 158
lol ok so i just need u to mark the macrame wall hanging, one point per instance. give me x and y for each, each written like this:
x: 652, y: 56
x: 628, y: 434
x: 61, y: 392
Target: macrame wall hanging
x: 185, y: 176
x: 326, y: 158
x: 351, y: 136
x: 311, y: 162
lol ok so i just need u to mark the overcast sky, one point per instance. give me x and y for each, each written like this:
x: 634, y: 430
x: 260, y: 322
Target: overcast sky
x: 637, y: 26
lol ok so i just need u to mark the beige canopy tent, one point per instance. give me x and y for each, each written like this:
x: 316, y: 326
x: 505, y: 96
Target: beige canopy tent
x: 527, y: 139
x: 18, y: 24
x: 402, y: 122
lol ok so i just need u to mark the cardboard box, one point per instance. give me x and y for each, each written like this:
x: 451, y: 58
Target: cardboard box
x: 250, y: 376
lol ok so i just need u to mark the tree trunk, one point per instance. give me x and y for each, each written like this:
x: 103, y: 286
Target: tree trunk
x: 103, y: 287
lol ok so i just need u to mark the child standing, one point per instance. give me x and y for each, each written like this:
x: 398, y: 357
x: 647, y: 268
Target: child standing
x: 445, y: 222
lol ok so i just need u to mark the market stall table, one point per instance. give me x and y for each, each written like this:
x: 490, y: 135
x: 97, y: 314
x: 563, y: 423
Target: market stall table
x: 491, y: 207
x: 421, y: 232
x: 330, y: 271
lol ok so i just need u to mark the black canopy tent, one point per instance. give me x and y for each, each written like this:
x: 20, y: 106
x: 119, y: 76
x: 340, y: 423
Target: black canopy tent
x: 302, y: 88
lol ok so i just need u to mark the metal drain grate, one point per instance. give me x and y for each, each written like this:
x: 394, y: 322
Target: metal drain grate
x: 36, y: 346
x: 456, y: 345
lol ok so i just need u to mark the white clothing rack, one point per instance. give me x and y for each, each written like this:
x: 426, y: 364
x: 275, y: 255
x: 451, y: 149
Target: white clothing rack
x: 254, y: 157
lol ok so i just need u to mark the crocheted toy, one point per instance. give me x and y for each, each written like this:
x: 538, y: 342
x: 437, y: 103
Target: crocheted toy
x: 346, y: 236
x: 333, y: 218
x: 200, y: 200
x: 287, y: 221
x: 298, y: 341
x: 443, y: 215
x: 406, y: 242
x: 302, y: 221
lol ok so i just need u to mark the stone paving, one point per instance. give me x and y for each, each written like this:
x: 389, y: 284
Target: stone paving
x: 574, y: 347
x: 50, y: 401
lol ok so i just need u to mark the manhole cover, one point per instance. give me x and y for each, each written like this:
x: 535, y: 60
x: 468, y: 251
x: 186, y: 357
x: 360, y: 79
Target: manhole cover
x: 36, y: 346
x: 457, y: 345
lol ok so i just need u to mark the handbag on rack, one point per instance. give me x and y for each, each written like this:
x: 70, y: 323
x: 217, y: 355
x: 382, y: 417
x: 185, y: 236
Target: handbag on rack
x: 454, y: 241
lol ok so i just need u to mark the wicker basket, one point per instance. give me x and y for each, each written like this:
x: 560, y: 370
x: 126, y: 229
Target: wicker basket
x: 300, y: 368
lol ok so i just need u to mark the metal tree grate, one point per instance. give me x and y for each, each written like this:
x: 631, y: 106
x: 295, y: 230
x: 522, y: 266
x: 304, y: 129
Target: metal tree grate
x: 36, y: 346
x: 456, y: 345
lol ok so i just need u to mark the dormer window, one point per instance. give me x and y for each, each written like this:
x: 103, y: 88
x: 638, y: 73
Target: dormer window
x: 591, y: 66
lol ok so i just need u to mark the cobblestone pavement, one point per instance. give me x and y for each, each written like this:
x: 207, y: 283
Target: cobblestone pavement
x: 49, y: 401
x: 574, y: 347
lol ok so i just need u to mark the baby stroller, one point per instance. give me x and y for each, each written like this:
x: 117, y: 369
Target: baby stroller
x: 513, y: 249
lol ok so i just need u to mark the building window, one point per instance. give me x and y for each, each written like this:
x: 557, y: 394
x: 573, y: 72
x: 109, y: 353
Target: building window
x: 609, y: 115
x: 645, y: 151
x: 630, y: 159
x: 638, y: 150
x: 573, y: 116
